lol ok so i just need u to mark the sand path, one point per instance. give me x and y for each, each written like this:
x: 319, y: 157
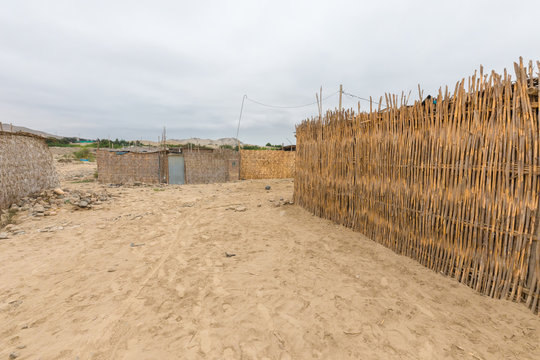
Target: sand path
x: 299, y: 287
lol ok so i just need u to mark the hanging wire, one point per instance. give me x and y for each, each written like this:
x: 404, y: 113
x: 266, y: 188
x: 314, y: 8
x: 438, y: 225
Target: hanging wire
x: 288, y: 107
x: 359, y: 97
x: 239, y: 118
x: 245, y: 97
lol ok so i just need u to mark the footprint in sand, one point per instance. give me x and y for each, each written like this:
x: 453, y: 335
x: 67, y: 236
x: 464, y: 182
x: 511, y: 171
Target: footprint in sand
x: 180, y: 291
x: 226, y: 307
x: 265, y: 313
x: 206, y: 342
x: 229, y: 354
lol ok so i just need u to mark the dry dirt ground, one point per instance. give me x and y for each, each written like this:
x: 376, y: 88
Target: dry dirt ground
x: 145, y: 276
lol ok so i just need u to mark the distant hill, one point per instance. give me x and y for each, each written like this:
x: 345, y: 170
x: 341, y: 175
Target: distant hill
x: 197, y: 141
x: 7, y: 128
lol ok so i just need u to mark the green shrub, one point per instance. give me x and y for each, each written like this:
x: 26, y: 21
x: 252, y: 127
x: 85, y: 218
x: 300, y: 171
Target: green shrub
x: 84, y: 153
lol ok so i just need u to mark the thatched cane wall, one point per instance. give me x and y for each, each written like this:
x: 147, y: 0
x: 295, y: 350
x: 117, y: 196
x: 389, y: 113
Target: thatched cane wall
x: 117, y: 167
x: 266, y: 164
x: 454, y: 185
x: 26, y: 167
x: 205, y: 167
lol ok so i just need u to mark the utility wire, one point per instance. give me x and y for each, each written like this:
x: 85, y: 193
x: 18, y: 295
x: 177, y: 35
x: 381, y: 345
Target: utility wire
x: 359, y: 97
x: 238, y: 129
x: 289, y: 107
x: 245, y: 97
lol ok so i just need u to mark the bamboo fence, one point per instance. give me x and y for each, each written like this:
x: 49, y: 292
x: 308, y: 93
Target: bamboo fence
x: 451, y: 183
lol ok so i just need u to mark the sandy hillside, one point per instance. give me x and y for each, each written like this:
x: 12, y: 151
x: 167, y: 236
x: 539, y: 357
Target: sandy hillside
x: 198, y: 141
x: 145, y: 275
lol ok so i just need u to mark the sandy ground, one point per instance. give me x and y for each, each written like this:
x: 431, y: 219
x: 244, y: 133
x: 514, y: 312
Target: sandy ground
x: 145, y: 276
x: 74, y: 170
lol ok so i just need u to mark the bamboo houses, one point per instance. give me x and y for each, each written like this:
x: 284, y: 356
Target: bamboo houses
x: 452, y: 182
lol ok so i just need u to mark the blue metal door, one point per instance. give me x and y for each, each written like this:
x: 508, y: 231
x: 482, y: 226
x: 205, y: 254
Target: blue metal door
x: 176, y: 169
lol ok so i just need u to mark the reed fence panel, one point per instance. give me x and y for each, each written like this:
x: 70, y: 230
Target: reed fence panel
x: 266, y: 164
x: 122, y: 167
x: 209, y: 167
x: 26, y: 167
x: 452, y: 181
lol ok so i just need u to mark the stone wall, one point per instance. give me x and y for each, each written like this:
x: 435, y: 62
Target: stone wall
x: 26, y: 167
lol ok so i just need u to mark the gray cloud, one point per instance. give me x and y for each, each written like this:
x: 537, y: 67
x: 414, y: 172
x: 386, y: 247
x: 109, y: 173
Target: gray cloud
x: 127, y: 68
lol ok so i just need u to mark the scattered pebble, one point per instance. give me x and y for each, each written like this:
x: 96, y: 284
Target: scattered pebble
x: 39, y: 209
x: 51, y: 229
x: 11, y: 227
x: 240, y: 209
x: 4, y: 235
x: 267, y: 187
x: 47, y: 202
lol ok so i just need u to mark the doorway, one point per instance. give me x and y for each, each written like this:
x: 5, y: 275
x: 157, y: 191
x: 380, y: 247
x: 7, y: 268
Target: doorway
x: 176, y: 169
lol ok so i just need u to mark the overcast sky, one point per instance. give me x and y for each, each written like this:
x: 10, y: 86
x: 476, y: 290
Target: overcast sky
x: 125, y: 69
